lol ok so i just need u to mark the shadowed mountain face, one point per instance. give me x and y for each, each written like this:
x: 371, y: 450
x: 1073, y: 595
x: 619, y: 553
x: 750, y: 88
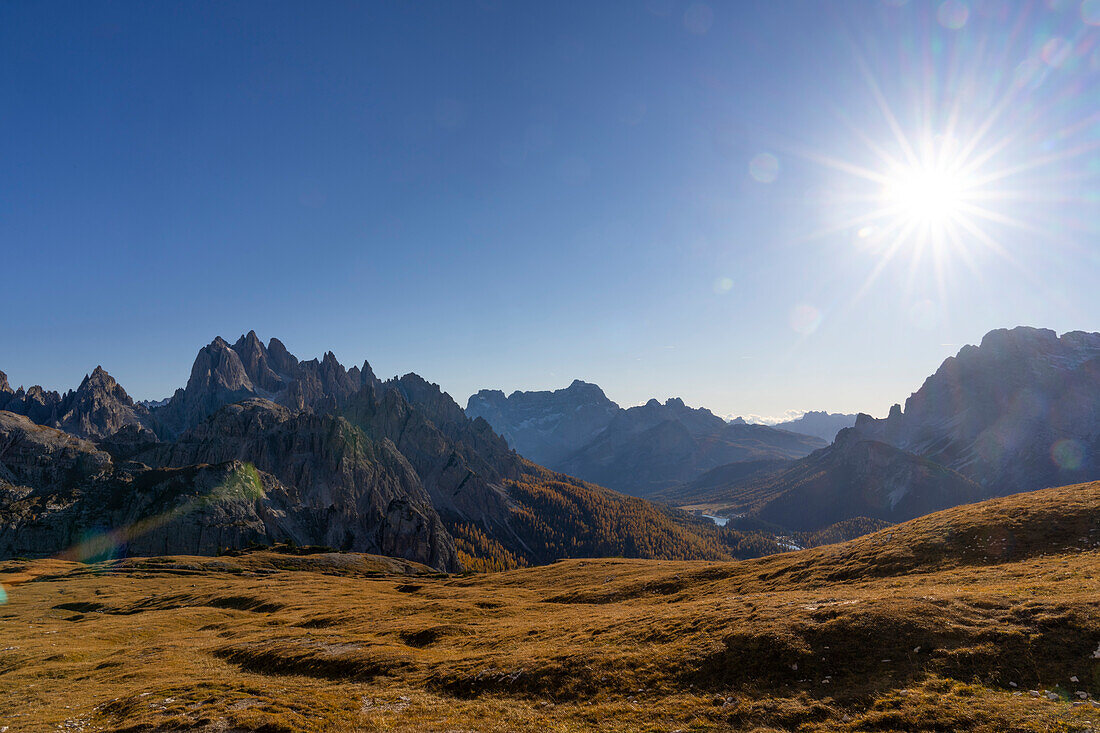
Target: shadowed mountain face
x: 1019, y: 412
x: 641, y: 450
x: 851, y: 478
x: 260, y: 447
x: 320, y: 483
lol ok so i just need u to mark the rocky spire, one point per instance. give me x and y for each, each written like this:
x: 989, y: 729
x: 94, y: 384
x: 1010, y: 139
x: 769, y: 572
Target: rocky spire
x: 254, y: 358
x: 281, y: 360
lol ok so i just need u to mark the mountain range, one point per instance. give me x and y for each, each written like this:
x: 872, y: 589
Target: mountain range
x: 1019, y: 412
x: 824, y: 425
x: 261, y: 448
x: 640, y: 450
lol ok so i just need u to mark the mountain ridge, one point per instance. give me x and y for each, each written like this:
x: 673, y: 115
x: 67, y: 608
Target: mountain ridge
x: 1018, y: 412
x: 337, y: 458
x: 638, y: 450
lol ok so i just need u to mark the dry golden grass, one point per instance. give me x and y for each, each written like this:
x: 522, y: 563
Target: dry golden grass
x: 924, y: 626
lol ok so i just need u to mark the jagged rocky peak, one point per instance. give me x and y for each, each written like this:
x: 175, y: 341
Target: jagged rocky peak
x: 281, y: 360
x: 588, y: 391
x: 254, y: 359
x: 218, y: 367
x: 99, y: 407
x: 697, y: 420
x: 437, y: 404
x: 101, y: 384
x: 223, y: 374
x: 4, y: 386
x: 95, y: 409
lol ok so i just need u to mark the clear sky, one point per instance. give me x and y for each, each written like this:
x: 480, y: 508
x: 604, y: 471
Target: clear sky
x: 755, y: 206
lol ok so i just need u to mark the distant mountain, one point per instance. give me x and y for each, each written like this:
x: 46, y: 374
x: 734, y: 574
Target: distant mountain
x: 824, y: 425
x: 652, y: 447
x: 1019, y: 412
x: 260, y: 448
x: 641, y: 450
x: 546, y: 427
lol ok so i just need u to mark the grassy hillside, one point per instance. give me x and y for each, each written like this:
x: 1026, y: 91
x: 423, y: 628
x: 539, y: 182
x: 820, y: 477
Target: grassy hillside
x: 949, y: 622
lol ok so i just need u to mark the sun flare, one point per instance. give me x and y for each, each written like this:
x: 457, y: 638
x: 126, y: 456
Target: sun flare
x: 926, y: 196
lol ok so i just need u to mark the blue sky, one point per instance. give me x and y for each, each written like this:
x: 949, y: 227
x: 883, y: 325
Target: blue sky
x: 666, y: 197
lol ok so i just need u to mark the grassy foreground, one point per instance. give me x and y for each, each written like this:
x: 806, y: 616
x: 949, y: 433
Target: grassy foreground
x: 983, y: 618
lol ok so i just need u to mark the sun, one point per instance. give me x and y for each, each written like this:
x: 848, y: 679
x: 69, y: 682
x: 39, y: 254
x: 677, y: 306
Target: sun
x: 926, y: 197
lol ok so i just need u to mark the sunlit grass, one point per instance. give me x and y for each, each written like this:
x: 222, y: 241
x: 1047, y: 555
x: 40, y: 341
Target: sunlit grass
x: 917, y: 627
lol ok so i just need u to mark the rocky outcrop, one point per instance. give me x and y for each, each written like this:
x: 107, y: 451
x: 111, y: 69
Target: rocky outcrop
x: 38, y: 456
x: 218, y: 378
x: 40, y: 405
x: 462, y: 484
x: 1019, y: 412
x: 99, y: 407
x: 198, y: 510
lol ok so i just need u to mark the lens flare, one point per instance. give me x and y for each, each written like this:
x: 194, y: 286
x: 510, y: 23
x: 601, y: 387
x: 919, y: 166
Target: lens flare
x: 1067, y: 454
x: 764, y: 168
x: 805, y: 319
x: 953, y: 14
x: 242, y: 484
